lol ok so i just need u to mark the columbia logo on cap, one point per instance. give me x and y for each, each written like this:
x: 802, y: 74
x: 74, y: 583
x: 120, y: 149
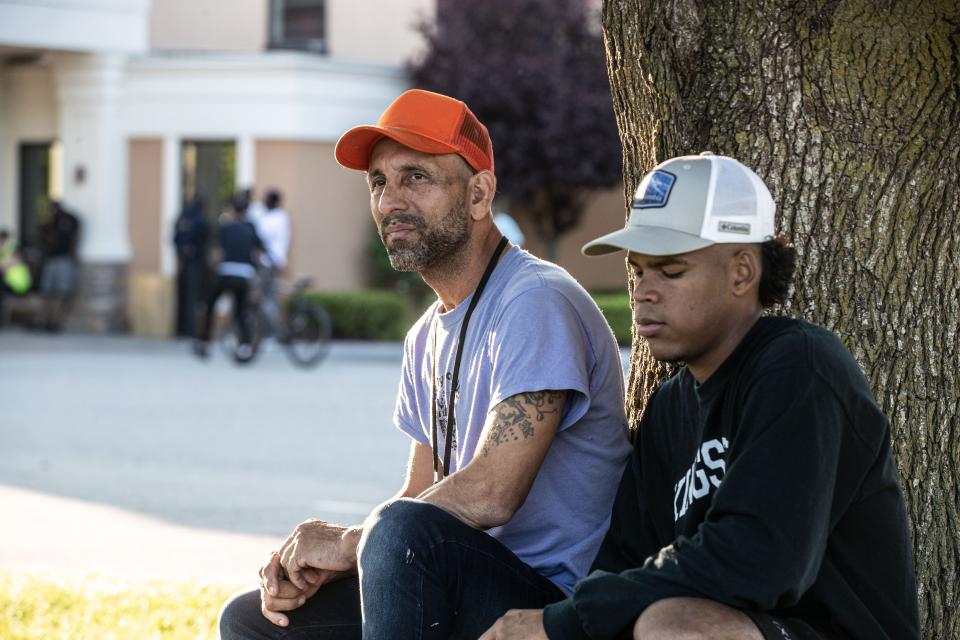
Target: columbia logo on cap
x: 734, y: 227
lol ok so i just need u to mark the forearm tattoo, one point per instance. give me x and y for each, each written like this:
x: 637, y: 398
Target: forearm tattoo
x: 513, y: 420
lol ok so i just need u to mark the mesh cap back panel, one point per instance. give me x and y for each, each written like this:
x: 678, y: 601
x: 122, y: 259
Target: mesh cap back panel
x: 740, y: 207
x: 472, y: 137
x: 737, y: 197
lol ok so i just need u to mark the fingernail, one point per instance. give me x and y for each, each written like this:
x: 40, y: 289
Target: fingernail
x: 301, y: 601
x: 272, y: 590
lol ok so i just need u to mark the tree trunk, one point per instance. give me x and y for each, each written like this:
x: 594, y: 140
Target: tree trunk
x: 850, y: 111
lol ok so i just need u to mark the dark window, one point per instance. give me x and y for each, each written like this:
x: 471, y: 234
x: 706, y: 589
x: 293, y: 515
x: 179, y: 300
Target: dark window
x: 34, y: 191
x: 208, y: 168
x: 298, y: 24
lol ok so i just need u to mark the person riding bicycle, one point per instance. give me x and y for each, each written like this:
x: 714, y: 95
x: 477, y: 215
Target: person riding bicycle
x: 241, y: 247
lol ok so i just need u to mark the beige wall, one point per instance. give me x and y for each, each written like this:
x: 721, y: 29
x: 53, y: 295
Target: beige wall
x: 150, y: 301
x: 605, y: 213
x: 30, y: 114
x: 332, y: 225
x: 328, y: 207
x: 380, y: 31
x: 208, y: 25
x: 143, y: 203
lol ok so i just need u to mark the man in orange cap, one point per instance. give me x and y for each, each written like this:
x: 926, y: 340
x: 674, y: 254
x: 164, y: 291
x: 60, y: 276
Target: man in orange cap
x: 511, y: 393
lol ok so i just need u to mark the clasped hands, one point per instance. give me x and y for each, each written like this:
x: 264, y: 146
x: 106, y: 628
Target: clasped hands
x: 316, y: 553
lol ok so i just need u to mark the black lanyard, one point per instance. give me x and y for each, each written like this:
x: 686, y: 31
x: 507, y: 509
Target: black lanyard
x: 451, y: 417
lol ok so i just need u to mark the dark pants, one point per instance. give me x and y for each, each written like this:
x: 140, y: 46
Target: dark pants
x: 423, y: 574
x: 240, y: 288
x: 269, y: 303
x: 191, y: 280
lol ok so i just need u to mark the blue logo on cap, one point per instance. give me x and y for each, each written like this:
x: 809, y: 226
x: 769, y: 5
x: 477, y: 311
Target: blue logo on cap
x: 654, y: 191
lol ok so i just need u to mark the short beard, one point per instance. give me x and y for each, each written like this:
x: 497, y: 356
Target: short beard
x: 433, y: 247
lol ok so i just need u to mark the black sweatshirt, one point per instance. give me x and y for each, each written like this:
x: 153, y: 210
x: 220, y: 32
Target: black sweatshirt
x: 770, y: 487
x: 239, y: 242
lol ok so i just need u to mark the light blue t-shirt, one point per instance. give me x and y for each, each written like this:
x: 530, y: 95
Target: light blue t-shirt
x: 534, y: 328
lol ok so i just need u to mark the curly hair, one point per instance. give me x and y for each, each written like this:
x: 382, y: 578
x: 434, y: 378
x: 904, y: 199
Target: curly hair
x: 779, y: 263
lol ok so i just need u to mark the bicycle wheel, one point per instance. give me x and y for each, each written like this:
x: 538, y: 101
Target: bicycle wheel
x: 309, y: 332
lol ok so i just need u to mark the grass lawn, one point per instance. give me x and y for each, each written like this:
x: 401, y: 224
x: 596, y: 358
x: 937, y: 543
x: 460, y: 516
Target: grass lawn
x: 37, y: 607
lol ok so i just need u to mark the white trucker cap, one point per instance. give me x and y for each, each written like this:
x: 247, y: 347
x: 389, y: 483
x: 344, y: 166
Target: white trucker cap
x: 692, y: 202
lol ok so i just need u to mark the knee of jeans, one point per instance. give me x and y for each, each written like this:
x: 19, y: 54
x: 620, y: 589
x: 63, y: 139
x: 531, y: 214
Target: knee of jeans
x: 394, y: 530
x: 235, y: 616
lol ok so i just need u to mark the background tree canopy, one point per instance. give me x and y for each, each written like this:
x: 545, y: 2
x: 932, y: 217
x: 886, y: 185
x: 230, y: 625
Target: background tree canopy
x: 533, y: 72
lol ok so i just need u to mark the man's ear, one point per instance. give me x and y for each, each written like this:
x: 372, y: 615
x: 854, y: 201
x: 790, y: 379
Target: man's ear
x: 483, y: 187
x: 745, y: 271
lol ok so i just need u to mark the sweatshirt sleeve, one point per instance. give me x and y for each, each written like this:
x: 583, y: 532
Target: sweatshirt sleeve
x: 762, y: 541
x: 629, y: 540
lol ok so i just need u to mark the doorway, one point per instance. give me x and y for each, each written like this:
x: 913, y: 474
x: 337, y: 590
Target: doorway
x: 209, y: 169
x: 34, y: 190
x: 39, y: 182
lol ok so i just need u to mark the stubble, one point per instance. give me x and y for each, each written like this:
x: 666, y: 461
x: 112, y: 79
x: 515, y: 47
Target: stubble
x: 432, y: 248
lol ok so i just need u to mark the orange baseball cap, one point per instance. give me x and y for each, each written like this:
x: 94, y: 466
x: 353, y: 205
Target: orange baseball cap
x: 424, y: 121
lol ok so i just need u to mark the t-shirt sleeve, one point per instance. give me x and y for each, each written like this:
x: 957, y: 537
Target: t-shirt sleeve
x: 407, y: 414
x: 764, y: 536
x: 539, y: 343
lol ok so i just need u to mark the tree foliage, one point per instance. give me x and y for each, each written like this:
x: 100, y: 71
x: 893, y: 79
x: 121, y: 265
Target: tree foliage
x: 533, y: 71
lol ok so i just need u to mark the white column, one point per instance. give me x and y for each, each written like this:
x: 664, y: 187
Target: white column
x: 246, y: 167
x: 170, y: 203
x: 89, y: 88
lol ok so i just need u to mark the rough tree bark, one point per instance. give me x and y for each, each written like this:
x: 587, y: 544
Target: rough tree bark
x: 850, y: 110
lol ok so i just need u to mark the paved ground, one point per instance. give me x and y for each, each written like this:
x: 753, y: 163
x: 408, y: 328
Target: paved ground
x: 129, y: 457
x: 126, y: 438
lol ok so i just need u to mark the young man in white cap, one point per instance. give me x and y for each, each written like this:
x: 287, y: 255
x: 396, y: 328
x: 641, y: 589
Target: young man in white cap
x: 511, y: 393
x: 762, y: 500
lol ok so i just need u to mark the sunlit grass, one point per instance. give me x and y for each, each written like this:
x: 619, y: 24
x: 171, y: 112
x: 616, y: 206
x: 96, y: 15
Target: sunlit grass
x: 35, y: 608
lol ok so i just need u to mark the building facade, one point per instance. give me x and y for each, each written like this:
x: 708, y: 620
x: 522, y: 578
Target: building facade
x: 123, y: 109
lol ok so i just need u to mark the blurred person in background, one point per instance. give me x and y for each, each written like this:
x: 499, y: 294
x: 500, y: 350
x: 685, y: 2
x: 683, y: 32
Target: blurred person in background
x: 511, y: 394
x: 15, y: 276
x: 190, y: 237
x: 240, y: 247
x: 253, y: 207
x: 59, y: 240
x: 273, y: 227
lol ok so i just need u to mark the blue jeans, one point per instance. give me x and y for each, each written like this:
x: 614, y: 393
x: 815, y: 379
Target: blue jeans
x: 423, y: 574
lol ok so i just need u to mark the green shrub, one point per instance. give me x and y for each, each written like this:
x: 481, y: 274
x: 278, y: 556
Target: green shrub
x: 368, y: 314
x: 616, y: 308
x: 384, y: 276
x: 374, y: 314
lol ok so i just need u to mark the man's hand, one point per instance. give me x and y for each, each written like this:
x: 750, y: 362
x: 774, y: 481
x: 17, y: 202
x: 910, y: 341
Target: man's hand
x: 278, y: 594
x: 318, y: 550
x: 518, y: 624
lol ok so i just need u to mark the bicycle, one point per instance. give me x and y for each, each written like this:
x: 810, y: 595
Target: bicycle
x: 303, y: 327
